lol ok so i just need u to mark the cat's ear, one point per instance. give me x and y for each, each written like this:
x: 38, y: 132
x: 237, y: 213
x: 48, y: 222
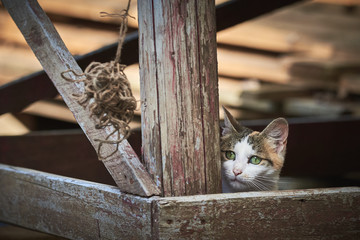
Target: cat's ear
x: 230, y: 123
x: 277, y: 132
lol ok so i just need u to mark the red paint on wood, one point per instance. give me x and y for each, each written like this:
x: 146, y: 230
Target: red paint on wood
x: 182, y: 116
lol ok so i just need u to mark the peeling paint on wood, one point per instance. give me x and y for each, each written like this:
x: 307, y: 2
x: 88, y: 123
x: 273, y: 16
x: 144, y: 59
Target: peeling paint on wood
x: 179, y: 92
x: 53, y: 55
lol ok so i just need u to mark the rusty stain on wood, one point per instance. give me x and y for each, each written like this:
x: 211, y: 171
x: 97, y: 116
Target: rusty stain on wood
x: 48, y: 47
x: 179, y: 91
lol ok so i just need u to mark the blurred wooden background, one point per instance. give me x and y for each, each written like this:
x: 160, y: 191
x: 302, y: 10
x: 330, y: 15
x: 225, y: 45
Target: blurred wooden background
x: 301, y: 61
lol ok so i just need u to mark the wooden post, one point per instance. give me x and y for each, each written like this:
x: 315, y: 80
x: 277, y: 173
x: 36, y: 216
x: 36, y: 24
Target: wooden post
x: 124, y: 166
x: 179, y: 93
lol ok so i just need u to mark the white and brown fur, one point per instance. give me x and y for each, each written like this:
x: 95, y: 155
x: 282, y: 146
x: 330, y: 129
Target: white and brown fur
x: 239, y: 175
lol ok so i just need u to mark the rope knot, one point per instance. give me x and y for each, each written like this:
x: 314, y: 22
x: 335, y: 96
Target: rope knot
x: 108, y: 93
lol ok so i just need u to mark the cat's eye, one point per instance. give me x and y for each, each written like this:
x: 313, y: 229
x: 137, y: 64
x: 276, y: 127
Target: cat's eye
x: 255, y: 160
x: 230, y: 155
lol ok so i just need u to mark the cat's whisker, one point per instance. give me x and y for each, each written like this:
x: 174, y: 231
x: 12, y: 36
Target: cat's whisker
x: 267, y: 179
x: 265, y: 186
x: 251, y: 160
x: 252, y: 185
x: 259, y: 186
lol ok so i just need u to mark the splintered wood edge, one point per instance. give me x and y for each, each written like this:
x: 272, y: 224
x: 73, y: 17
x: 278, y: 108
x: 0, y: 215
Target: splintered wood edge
x: 53, y: 55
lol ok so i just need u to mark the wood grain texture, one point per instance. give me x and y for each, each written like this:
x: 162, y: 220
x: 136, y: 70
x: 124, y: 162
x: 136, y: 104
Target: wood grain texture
x: 124, y: 166
x: 300, y: 214
x: 78, y: 209
x: 71, y: 208
x: 179, y: 92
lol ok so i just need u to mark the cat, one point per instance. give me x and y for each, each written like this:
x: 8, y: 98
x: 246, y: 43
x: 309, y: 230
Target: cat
x: 250, y: 160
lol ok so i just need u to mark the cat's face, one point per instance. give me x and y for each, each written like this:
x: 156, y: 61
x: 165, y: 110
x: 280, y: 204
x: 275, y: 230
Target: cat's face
x: 252, y: 161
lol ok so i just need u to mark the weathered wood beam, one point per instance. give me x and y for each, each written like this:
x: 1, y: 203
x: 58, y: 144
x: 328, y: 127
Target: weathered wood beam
x: 293, y: 214
x: 179, y: 93
x: 124, y: 166
x: 77, y: 209
x: 71, y: 208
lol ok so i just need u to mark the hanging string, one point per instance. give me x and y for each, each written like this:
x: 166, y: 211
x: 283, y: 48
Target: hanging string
x: 107, y: 92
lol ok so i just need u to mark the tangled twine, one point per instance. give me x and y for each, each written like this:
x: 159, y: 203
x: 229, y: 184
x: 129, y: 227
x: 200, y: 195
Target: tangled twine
x: 107, y: 93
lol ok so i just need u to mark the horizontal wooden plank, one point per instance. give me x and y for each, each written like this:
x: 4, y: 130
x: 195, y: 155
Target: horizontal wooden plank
x: 71, y: 208
x: 51, y: 109
x: 233, y: 12
x: 80, y: 39
x: 68, y: 151
x: 10, y: 66
x: 241, y: 64
x: 275, y: 92
x: 56, y: 109
x: 17, y: 94
x: 10, y: 125
x: 313, y: 29
x: 300, y: 214
x: 78, y: 209
x: 284, y: 68
x: 313, y: 107
x: 11, y: 232
x: 90, y: 10
x: 36, y: 149
x: 323, y: 141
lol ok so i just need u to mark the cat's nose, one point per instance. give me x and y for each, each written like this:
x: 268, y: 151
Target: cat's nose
x: 237, y: 171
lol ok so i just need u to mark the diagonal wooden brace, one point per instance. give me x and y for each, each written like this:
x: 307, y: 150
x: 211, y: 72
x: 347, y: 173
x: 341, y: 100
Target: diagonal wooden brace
x: 124, y: 166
